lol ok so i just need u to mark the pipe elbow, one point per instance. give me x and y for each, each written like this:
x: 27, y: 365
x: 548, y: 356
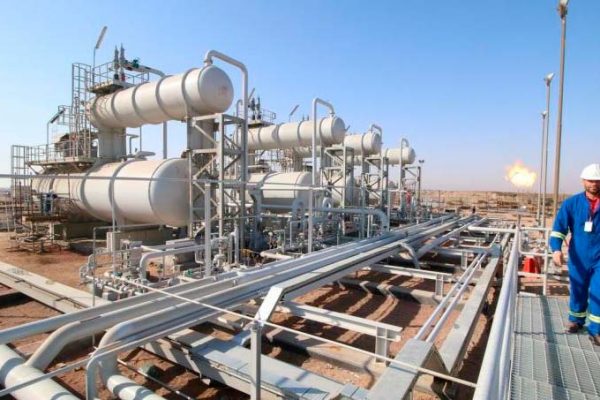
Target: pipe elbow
x: 208, y: 57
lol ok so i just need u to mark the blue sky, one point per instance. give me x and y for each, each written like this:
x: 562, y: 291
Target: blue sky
x: 461, y: 80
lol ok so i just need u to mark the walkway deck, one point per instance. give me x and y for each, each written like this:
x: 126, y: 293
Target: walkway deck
x: 548, y: 363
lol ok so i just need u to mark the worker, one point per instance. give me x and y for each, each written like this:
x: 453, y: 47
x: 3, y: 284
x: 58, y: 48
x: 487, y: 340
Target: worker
x: 580, y: 215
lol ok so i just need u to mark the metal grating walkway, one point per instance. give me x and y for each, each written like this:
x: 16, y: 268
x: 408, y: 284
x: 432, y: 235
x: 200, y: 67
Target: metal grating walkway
x: 548, y: 363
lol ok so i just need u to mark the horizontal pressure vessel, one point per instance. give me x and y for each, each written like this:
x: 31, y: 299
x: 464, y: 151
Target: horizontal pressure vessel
x: 158, y: 194
x: 281, y: 189
x: 330, y: 130
x: 361, y: 144
x: 364, y: 144
x: 407, y: 154
x: 199, y: 91
x: 348, y: 188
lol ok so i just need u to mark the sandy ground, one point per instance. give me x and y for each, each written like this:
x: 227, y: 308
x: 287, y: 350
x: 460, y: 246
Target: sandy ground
x: 63, y: 266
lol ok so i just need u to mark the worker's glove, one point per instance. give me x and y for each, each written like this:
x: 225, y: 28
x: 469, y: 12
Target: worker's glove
x: 557, y: 257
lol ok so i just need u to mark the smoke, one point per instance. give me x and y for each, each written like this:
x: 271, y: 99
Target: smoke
x: 520, y: 176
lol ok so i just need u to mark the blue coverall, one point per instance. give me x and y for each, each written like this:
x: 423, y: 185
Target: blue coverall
x: 584, y: 258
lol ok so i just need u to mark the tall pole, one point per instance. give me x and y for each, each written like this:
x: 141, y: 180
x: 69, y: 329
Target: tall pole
x: 544, y: 177
x: 562, y: 11
x: 539, y: 205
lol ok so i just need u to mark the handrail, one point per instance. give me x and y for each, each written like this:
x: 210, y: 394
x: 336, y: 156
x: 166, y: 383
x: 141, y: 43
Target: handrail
x: 494, y: 378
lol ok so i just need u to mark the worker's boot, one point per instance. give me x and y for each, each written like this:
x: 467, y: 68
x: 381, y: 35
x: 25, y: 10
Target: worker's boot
x: 595, y: 339
x: 573, y: 327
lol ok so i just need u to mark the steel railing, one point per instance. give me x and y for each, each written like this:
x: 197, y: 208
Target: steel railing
x: 494, y: 378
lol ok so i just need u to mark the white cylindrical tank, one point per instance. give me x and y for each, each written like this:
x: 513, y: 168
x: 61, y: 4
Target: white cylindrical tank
x: 296, y: 134
x: 361, y: 144
x: 407, y: 154
x: 364, y: 144
x: 281, y: 189
x: 199, y: 91
x: 157, y: 200
x: 336, y: 193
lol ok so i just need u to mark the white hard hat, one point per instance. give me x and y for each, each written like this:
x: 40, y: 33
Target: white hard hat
x: 591, y: 172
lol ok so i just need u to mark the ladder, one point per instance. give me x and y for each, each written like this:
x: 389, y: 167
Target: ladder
x: 79, y: 124
x: 22, y: 200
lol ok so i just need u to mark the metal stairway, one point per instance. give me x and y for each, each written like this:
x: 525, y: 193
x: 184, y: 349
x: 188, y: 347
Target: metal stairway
x: 548, y: 363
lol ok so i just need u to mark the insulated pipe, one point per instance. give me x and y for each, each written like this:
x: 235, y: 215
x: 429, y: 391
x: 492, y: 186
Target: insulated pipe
x: 13, y: 371
x: 143, y: 326
x: 486, y: 229
x: 127, y: 389
x: 48, y: 351
x: 208, y: 60
x: 109, y: 372
x: 273, y: 255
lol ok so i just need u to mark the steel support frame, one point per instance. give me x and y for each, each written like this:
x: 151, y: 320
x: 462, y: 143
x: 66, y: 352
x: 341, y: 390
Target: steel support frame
x: 336, y: 168
x: 382, y: 332
x: 221, y: 164
x: 380, y: 166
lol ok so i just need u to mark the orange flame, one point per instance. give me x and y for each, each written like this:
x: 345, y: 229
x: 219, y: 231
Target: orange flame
x: 520, y: 176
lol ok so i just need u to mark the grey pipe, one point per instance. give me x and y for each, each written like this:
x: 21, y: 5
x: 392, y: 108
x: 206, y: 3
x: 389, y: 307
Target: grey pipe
x: 453, y: 294
x: 248, y: 278
x: 436, y: 329
x: 169, y: 316
x: 436, y: 242
x: 127, y: 389
x: 189, y: 312
x: 385, y: 223
x: 162, y: 253
x: 13, y: 371
x: 186, y: 314
x: 49, y: 324
x: 102, y: 356
x: 274, y: 255
x: 77, y: 330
